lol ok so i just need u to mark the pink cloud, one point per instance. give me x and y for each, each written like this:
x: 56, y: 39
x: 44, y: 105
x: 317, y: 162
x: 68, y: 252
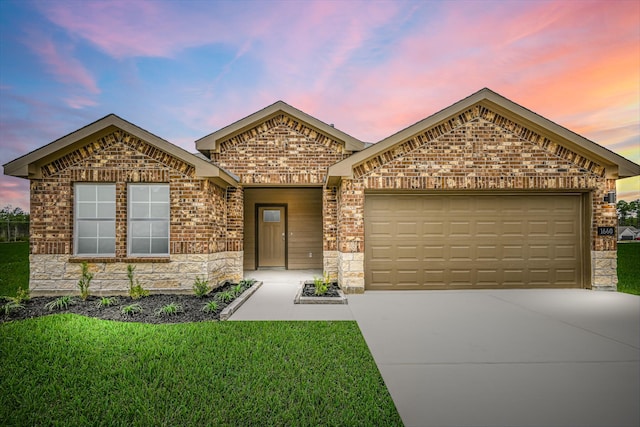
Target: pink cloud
x: 147, y: 28
x: 60, y: 61
x: 14, y: 192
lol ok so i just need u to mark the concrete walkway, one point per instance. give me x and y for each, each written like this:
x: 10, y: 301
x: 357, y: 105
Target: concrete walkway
x: 479, y: 358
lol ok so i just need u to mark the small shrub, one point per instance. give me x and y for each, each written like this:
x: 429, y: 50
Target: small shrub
x: 237, y: 289
x: 247, y: 282
x: 10, y: 307
x: 131, y: 309
x: 61, y: 303
x: 108, y: 301
x: 84, y: 281
x: 321, y: 284
x: 226, y: 296
x: 201, y: 287
x: 169, y: 310
x: 22, y: 295
x: 136, y: 291
x: 210, y: 307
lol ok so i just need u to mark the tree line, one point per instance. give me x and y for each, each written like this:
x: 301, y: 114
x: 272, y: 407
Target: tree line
x: 14, y: 224
x: 628, y: 213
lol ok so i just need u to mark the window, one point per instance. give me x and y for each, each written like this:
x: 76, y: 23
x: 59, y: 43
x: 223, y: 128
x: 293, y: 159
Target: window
x: 271, y: 216
x: 95, y: 219
x: 148, y: 220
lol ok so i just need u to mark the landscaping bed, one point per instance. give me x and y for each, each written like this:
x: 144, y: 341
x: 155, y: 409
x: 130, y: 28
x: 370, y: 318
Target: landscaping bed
x: 307, y: 294
x: 155, y: 308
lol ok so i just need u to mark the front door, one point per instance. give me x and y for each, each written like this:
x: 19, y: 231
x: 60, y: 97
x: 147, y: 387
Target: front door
x: 272, y: 236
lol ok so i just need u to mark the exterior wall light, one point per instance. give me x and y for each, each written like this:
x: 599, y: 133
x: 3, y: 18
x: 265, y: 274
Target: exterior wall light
x: 610, y: 197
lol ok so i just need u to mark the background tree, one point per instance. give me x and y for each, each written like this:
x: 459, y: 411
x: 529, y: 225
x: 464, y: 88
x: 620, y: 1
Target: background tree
x: 623, y: 211
x: 628, y: 212
x: 634, y: 210
x: 14, y: 224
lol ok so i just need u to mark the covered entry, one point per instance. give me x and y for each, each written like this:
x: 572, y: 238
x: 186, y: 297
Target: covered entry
x: 463, y: 241
x: 283, y: 228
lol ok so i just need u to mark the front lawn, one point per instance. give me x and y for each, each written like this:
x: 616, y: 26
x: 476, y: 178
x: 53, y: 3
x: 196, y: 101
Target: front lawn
x: 73, y: 370
x: 629, y: 268
x: 14, y: 267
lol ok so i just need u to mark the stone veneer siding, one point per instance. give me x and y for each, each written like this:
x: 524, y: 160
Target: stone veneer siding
x: 198, y: 224
x: 477, y: 150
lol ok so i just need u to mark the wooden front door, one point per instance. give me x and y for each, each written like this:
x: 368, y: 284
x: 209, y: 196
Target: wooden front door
x: 272, y: 236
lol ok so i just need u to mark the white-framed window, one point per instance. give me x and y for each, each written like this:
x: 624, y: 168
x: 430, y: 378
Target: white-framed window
x: 148, y: 220
x: 94, y: 220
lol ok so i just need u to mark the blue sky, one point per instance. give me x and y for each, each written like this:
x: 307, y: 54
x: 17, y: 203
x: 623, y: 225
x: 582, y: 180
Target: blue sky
x: 183, y: 69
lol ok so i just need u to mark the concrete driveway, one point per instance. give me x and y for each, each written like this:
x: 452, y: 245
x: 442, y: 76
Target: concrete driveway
x: 489, y: 358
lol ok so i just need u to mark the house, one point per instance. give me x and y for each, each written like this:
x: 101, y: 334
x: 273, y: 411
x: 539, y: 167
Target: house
x: 628, y: 233
x: 482, y: 194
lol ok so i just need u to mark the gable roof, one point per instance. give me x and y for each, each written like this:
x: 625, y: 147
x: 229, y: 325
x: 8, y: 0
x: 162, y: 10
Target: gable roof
x: 210, y: 143
x: 616, y: 166
x: 28, y: 166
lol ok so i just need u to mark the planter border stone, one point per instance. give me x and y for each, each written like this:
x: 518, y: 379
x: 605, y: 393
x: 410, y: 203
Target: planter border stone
x: 300, y: 299
x: 235, y: 305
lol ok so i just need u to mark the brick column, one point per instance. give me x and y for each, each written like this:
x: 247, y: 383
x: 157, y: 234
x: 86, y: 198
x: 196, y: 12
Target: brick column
x: 351, y: 236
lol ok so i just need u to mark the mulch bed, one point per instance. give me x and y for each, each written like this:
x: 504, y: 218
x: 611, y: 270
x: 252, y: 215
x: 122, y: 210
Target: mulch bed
x: 191, y: 305
x: 309, y: 290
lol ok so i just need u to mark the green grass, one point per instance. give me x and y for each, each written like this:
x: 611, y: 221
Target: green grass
x: 14, y: 267
x: 67, y: 369
x: 629, y: 268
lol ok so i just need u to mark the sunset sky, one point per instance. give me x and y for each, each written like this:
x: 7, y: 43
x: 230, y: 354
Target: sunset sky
x: 183, y: 69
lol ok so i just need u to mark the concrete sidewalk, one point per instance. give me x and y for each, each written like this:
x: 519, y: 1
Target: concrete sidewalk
x: 499, y: 358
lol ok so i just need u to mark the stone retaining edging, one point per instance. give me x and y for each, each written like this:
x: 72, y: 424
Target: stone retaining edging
x: 236, y: 303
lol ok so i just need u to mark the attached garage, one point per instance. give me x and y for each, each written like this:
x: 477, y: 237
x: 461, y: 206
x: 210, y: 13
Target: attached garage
x: 475, y: 241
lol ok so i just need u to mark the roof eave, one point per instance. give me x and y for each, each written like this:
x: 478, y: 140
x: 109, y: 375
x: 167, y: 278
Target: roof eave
x: 27, y: 166
x: 615, y: 165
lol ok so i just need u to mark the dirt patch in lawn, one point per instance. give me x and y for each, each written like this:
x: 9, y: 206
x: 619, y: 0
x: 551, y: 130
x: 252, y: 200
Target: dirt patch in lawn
x: 190, y: 308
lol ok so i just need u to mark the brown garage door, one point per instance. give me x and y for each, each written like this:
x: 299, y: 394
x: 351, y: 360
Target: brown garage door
x: 472, y: 241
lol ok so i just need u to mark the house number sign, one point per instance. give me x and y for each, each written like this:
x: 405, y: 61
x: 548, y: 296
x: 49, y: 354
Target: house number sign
x: 606, y: 231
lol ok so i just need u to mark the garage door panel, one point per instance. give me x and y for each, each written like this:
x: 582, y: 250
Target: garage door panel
x: 514, y: 228
x: 408, y: 253
x: 487, y: 228
x: 565, y: 228
x: 488, y: 277
x: 380, y: 229
x: 460, y: 229
x: 433, y: 253
x: 566, y: 253
x: 539, y: 228
x: 407, y: 230
x: 460, y: 253
x: 466, y: 241
x: 488, y: 253
x: 381, y: 253
x: 433, y: 229
x: 513, y: 253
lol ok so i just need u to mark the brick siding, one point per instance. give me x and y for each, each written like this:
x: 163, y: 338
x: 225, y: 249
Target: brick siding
x: 198, y: 216
x: 280, y: 151
x: 476, y: 150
